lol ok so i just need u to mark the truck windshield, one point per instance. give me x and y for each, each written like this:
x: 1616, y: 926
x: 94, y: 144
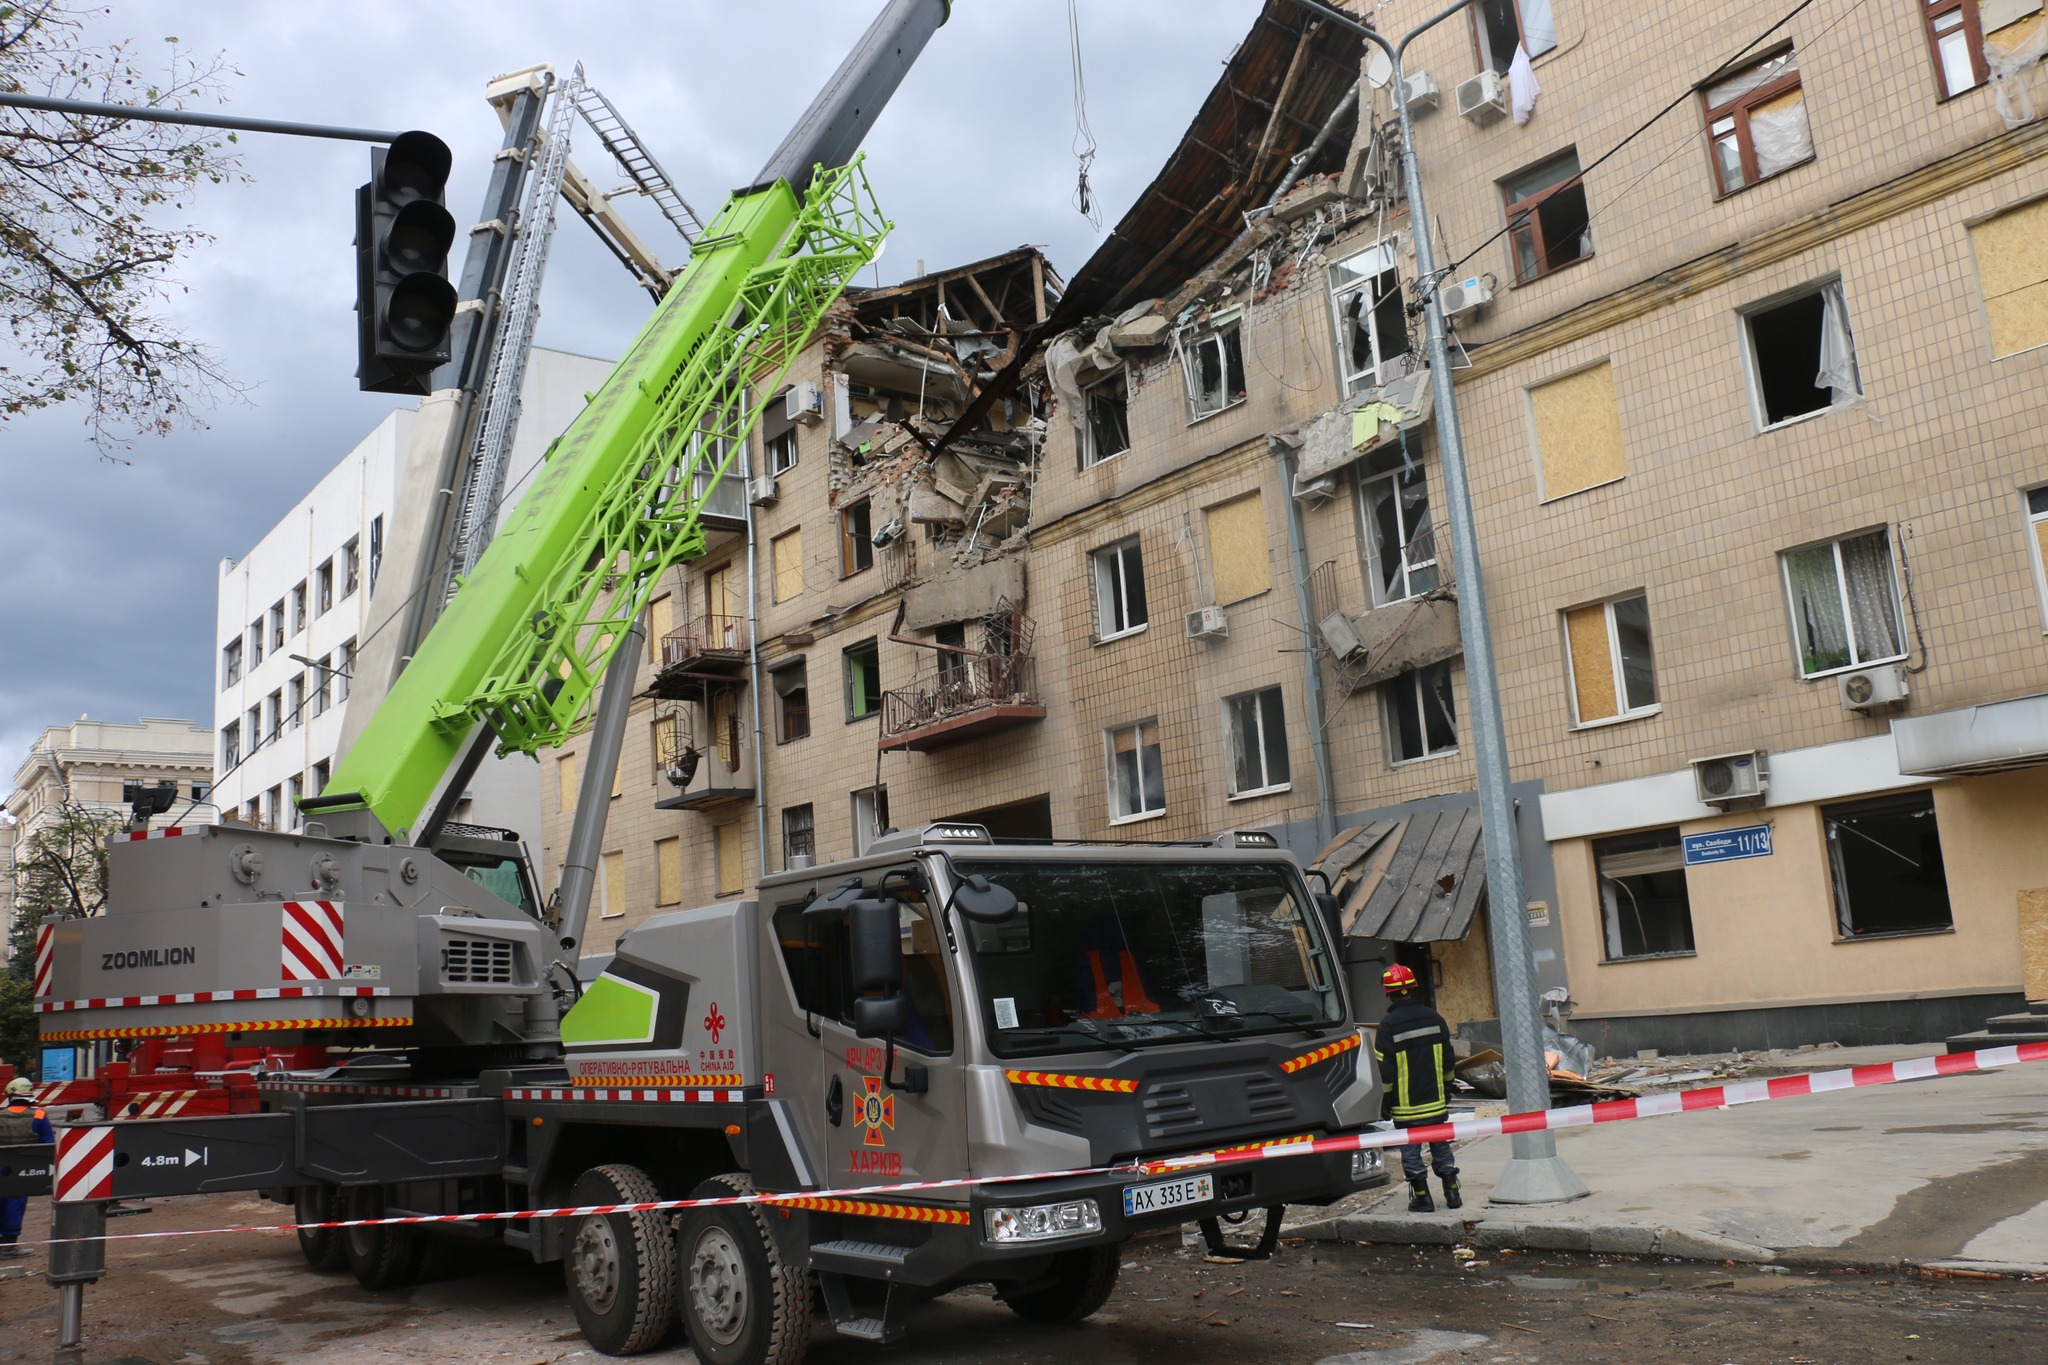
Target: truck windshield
x: 1133, y: 954
x: 499, y: 875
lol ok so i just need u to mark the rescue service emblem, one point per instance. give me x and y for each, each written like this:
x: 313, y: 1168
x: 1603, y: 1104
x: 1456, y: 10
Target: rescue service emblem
x: 874, y: 1111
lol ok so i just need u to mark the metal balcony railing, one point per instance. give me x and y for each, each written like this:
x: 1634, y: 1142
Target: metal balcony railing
x: 967, y: 682
x: 705, y: 637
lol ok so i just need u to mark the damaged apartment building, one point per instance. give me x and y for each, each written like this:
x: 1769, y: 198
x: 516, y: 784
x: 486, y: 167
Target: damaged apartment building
x: 1751, y: 413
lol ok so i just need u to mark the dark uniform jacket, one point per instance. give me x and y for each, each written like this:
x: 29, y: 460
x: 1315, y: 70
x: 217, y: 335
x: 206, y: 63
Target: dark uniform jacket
x: 22, y: 1121
x: 1414, y: 1050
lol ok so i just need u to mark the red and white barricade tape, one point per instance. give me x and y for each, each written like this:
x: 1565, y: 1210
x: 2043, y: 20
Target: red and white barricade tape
x: 70, y: 1175
x: 113, y: 1002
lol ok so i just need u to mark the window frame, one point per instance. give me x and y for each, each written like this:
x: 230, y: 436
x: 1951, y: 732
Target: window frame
x: 1752, y: 366
x: 1838, y: 897
x: 808, y: 831
x: 301, y: 598
x: 1141, y: 728
x: 785, y: 733
x: 1482, y: 50
x: 794, y: 537
x: 1346, y: 378
x: 1104, y: 591
x: 873, y: 650
x: 1973, y: 42
x: 376, y: 549
x: 1615, y: 664
x: 230, y: 746
x: 1091, y: 456
x: 323, y: 592
x: 1231, y: 326
x: 1739, y: 109
x: 1601, y: 879
x: 1526, y: 209
x: 1842, y: 591
x: 856, y: 551
x: 773, y: 448
x: 877, y: 798
x: 1253, y: 702
x: 1369, y: 535
x: 351, y: 567
x: 231, y: 662
x: 1388, y: 700
x: 2035, y: 521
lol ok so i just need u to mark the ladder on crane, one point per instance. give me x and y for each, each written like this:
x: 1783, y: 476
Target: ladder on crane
x: 639, y: 164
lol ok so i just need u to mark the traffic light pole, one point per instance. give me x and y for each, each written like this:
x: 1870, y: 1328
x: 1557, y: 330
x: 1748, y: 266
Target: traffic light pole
x: 1535, y: 1173
x: 91, y: 109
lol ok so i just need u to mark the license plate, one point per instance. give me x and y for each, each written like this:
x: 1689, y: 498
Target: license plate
x: 1168, y: 1194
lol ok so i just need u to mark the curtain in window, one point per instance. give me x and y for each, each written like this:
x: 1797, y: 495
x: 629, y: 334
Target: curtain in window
x: 1873, y: 606
x: 1817, y: 608
x: 1837, y: 349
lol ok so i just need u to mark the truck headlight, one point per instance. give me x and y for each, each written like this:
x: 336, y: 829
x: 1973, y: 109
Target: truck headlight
x: 1367, y: 1164
x: 1043, y: 1222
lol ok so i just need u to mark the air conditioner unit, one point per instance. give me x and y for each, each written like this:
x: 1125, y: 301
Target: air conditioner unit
x: 1340, y: 636
x: 761, y: 490
x: 804, y: 403
x: 1316, y: 492
x: 1872, y: 689
x: 1483, y: 99
x: 1205, y: 623
x: 1421, y: 90
x: 1730, y: 780
x: 1466, y: 295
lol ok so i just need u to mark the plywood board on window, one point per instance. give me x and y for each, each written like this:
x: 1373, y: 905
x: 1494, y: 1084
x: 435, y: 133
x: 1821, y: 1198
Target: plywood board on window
x: 1578, y: 431
x: 661, y: 619
x: 2012, y: 270
x: 2033, y: 906
x: 1592, y: 663
x: 787, y: 552
x: 668, y: 871
x: 565, y: 773
x: 1239, y: 555
x: 614, y: 885
x: 732, y: 875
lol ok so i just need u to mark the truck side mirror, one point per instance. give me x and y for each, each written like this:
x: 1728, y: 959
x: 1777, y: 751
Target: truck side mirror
x: 981, y: 899
x: 880, y: 1016
x: 874, y: 937
x: 1333, y: 917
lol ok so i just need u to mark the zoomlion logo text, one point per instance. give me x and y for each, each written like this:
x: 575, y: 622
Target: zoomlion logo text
x: 149, y: 957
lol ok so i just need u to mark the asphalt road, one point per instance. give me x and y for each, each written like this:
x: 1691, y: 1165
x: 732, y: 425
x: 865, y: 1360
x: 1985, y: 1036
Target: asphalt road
x: 247, y: 1297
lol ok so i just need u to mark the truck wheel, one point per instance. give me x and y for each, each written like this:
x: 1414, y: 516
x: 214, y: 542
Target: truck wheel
x: 741, y: 1301
x: 380, y: 1258
x: 621, y: 1267
x: 322, y: 1247
x: 1078, y: 1283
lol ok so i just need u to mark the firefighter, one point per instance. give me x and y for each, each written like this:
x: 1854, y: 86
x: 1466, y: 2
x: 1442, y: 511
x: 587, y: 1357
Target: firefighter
x: 1413, y: 1046
x: 21, y: 1120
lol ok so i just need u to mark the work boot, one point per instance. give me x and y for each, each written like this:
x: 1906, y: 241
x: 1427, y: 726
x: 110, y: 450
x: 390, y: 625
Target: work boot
x: 14, y: 1253
x: 1419, y: 1200
x: 1453, y: 1197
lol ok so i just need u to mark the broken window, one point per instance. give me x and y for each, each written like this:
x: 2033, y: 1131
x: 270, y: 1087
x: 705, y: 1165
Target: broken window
x: 1400, y: 541
x: 230, y: 745
x: 778, y: 435
x: 793, y: 702
x: 1107, y: 432
x: 799, y: 833
x: 1255, y: 727
x: 1119, y: 590
x: 324, y: 576
x: 231, y: 663
x: 1886, y: 859
x: 1213, y: 365
x: 1549, y: 225
x: 870, y: 816
x: 273, y: 716
x: 351, y: 566
x: 1643, y: 901
x: 1756, y: 120
x: 1422, y: 720
x: 376, y: 548
x: 1372, y: 320
x: 1845, y: 603
x: 952, y: 665
x: 277, y: 625
x: 1137, y: 777
x: 322, y: 771
x: 296, y: 693
x: 1500, y: 26
x: 255, y: 645
x: 863, y: 665
x: 299, y: 607
x: 856, y: 539
x: 344, y: 668
x: 1803, y: 355
x: 1607, y: 648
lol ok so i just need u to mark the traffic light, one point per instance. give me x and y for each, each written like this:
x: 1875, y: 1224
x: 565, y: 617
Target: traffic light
x: 404, y: 303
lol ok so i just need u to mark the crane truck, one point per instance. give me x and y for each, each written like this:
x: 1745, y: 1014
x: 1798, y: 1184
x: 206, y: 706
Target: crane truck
x: 1008, y: 1026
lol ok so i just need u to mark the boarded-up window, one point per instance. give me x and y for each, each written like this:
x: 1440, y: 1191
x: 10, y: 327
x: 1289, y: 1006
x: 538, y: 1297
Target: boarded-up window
x: 619, y: 776
x: 786, y: 551
x: 614, y: 885
x: 668, y: 871
x: 732, y: 873
x: 1237, y: 549
x: 2012, y: 270
x: 1578, y: 431
x: 1612, y: 669
x: 565, y: 774
x: 661, y: 619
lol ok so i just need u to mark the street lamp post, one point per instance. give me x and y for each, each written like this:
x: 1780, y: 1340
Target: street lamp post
x: 1535, y: 1173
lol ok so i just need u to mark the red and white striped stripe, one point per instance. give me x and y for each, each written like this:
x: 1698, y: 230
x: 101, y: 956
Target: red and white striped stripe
x: 159, y: 1105
x: 46, y: 956
x: 85, y: 1164
x: 406, y: 1092
x: 174, y: 832
x: 115, y: 1002
x: 311, y: 946
x: 635, y: 1096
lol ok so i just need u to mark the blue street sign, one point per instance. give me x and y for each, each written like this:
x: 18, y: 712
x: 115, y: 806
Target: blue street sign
x: 60, y: 1063
x: 1726, y: 845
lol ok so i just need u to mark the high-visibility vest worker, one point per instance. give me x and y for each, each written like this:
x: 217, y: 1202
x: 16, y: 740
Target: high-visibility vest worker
x: 1413, y: 1046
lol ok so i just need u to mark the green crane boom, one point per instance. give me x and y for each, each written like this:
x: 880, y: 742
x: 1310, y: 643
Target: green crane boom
x: 524, y: 642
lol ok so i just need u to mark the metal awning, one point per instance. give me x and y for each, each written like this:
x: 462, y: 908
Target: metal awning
x: 1975, y: 739
x: 1418, y: 879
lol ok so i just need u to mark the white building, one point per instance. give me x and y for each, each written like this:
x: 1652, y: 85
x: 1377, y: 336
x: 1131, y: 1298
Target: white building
x: 293, y: 610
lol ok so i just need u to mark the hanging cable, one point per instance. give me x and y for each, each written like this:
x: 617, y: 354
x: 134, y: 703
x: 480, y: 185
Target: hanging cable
x: 1084, y: 136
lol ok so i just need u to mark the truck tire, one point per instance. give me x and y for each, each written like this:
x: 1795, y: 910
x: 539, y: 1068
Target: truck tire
x: 322, y: 1247
x: 380, y: 1258
x: 1078, y: 1283
x: 621, y: 1267
x: 742, y: 1303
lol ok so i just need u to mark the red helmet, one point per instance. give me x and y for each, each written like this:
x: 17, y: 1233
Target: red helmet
x: 1398, y: 980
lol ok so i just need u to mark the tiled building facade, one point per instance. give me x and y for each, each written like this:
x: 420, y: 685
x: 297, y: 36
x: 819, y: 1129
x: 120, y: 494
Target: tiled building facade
x: 1755, y: 407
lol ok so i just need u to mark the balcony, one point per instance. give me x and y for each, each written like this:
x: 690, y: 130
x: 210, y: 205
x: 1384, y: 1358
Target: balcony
x: 709, y: 651
x: 707, y: 775
x: 974, y: 696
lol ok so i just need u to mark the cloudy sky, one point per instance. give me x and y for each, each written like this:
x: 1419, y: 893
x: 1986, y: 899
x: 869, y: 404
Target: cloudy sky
x: 107, y: 598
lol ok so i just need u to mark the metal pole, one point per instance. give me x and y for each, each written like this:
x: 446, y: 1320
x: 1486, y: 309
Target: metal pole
x: 593, y: 797
x: 1535, y: 1174
x: 1311, y: 660
x: 91, y: 109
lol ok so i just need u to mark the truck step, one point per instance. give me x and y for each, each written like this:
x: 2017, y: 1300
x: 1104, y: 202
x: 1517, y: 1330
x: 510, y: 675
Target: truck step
x: 862, y: 1329
x: 870, y: 1253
